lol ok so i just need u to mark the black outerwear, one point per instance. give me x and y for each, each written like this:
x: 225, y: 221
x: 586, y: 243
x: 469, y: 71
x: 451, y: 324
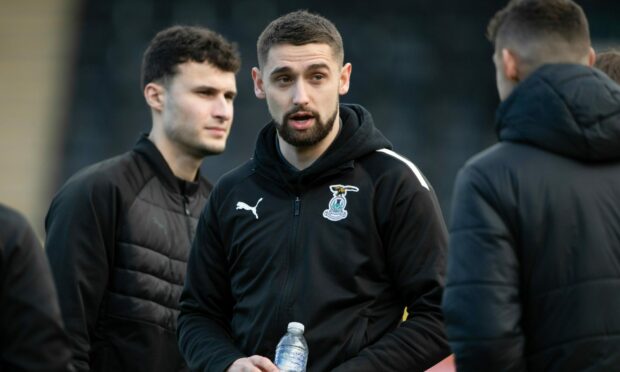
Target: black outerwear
x: 32, y: 337
x: 118, y: 238
x: 265, y: 255
x: 534, y: 259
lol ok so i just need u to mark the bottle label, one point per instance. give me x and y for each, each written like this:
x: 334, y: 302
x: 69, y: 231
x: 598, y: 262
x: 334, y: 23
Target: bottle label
x: 291, y: 358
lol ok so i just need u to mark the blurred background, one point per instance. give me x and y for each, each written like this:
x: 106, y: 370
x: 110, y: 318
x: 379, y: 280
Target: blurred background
x: 71, y: 95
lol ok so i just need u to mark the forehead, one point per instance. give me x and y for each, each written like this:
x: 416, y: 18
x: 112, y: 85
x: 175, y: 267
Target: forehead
x: 203, y: 73
x: 299, y: 56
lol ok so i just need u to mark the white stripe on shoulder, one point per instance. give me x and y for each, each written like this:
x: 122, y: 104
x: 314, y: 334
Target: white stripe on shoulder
x: 415, y: 169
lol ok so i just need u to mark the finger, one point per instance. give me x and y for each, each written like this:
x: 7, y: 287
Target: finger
x: 263, y: 363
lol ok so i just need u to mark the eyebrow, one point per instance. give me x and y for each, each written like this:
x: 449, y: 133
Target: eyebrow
x: 212, y: 89
x: 285, y: 69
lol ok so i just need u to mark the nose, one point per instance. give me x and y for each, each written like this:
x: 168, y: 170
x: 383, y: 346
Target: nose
x: 300, y: 95
x: 222, y: 109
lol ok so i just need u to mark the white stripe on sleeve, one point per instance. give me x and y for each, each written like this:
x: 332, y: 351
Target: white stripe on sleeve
x: 415, y: 169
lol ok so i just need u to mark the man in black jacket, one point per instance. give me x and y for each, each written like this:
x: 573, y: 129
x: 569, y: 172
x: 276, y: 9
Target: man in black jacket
x: 534, y: 258
x: 119, y: 232
x: 32, y: 337
x: 325, y: 225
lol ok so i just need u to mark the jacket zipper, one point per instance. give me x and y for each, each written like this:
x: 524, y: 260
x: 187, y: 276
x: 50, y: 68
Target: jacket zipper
x: 285, y: 303
x: 188, y: 218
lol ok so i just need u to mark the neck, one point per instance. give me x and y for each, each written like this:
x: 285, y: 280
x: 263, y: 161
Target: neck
x: 182, y: 164
x: 303, y: 157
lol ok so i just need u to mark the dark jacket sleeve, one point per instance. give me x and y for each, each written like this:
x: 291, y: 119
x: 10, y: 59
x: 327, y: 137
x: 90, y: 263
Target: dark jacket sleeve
x: 481, y: 301
x: 205, y: 338
x: 33, y: 338
x: 415, y: 240
x: 80, y: 229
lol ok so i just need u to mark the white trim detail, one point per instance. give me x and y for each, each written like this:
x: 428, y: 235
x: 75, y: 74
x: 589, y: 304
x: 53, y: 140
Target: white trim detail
x: 415, y: 169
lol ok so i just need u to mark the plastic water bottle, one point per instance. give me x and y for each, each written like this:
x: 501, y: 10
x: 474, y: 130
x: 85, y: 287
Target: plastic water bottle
x: 292, y: 350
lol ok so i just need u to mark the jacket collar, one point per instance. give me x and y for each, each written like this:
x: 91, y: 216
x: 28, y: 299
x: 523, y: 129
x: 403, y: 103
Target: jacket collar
x: 357, y: 138
x: 147, y: 149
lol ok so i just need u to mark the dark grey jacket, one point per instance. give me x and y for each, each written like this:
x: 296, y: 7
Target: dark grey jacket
x: 534, y: 258
x: 118, y: 238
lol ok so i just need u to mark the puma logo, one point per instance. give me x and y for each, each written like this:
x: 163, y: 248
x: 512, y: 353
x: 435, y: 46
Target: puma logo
x: 244, y: 206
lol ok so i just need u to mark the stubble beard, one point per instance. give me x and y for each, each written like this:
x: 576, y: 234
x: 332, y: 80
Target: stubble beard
x: 310, y: 136
x: 190, y: 144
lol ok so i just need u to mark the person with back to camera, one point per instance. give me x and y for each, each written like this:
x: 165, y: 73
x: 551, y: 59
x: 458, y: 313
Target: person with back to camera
x: 534, y: 258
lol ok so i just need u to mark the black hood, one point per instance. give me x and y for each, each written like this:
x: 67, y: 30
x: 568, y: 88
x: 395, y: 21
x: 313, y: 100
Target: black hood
x: 571, y: 110
x: 357, y: 138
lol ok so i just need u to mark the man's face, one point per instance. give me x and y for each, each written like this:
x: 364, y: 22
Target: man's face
x: 301, y: 84
x: 198, y: 108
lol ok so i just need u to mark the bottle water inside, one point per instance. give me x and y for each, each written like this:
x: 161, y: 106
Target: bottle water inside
x: 292, y: 350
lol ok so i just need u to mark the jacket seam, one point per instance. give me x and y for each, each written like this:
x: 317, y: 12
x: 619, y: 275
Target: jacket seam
x: 148, y: 274
x: 142, y: 321
x: 564, y: 343
x: 152, y: 250
x: 143, y: 299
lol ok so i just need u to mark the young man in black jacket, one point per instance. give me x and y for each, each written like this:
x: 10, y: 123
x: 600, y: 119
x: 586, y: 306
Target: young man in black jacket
x: 325, y: 226
x: 119, y: 232
x: 32, y: 337
x: 534, y: 258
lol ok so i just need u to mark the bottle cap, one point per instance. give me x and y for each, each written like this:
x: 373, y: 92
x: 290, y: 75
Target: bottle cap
x: 295, y: 326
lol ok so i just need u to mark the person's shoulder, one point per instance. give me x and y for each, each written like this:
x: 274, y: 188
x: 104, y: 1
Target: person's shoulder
x: 14, y: 228
x: 102, y: 174
x: 502, y: 157
x: 236, y: 175
x: 12, y: 220
x: 97, y: 182
x: 384, y: 163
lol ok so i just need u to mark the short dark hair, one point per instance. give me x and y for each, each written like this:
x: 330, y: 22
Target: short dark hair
x: 299, y: 28
x: 609, y: 63
x: 179, y: 44
x: 552, y: 24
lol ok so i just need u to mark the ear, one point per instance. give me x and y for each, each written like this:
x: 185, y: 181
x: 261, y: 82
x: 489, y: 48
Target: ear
x: 345, y: 79
x: 154, y: 94
x: 591, y: 57
x: 259, y: 89
x: 510, y: 65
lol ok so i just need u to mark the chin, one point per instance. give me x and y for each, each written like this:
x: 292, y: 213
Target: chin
x: 214, y: 149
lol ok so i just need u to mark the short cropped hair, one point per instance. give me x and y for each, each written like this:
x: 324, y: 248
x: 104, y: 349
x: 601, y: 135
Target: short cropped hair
x: 179, y: 44
x: 299, y: 28
x: 541, y: 30
x: 609, y: 63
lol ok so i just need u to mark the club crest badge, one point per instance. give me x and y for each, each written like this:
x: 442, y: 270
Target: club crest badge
x: 336, y: 210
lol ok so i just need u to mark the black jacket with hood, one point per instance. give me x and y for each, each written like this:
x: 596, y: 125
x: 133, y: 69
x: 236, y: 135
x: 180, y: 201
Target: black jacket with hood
x: 276, y: 245
x: 534, y: 259
x: 32, y: 336
x: 118, y: 238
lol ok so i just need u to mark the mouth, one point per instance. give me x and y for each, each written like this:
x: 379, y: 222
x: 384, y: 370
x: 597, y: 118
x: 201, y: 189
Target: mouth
x: 301, y: 120
x: 216, y: 131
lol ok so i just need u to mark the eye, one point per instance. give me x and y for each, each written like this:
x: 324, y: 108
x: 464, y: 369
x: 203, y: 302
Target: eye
x: 230, y: 96
x: 318, y: 77
x: 207, y: 92
x: 283, y: 79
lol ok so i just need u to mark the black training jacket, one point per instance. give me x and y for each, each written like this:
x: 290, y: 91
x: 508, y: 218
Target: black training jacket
x: 342, y: 247
x: 32, y: 337
x: 118, y: 238
x: 534, y: 259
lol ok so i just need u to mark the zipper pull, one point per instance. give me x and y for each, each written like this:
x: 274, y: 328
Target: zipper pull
x: 296, y: 206
x: 186, y: 205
